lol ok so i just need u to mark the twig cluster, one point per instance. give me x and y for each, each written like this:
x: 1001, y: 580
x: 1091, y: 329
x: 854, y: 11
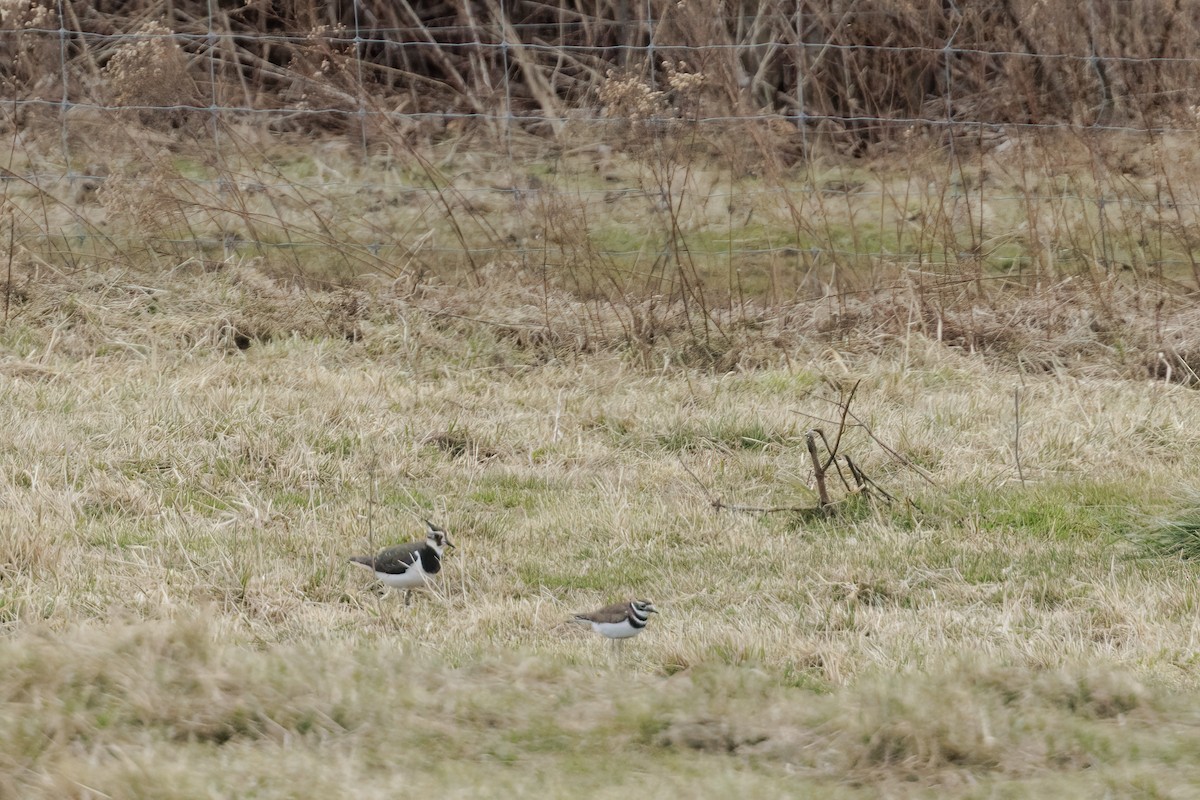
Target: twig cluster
x: 854, y: 479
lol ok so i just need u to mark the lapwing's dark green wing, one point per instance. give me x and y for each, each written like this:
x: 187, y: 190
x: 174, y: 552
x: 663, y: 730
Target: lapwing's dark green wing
x: 396, y: 560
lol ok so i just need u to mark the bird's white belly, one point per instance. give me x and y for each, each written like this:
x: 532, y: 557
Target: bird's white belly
x: 616, y: 630
x: 414, y: 577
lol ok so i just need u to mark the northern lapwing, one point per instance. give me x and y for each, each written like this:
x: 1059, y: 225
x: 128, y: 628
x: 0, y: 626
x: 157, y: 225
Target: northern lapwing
x: 409, y: 566
x: 620, y: 620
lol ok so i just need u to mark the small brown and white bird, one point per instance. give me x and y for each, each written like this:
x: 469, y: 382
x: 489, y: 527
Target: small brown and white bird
x: 409, y: 566
x: 620, y: 620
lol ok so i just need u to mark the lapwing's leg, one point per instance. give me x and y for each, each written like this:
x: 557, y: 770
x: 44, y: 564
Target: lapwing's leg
x: 396, y: 613
x: 407, y: 597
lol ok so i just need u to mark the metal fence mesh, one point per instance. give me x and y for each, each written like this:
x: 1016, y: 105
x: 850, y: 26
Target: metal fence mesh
x: 782, y: 139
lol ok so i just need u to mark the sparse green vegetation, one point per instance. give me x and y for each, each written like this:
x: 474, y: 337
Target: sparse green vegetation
x: 1176, y: 534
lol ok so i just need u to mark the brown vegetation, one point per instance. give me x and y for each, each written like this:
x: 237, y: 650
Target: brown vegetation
x: 871, y: 69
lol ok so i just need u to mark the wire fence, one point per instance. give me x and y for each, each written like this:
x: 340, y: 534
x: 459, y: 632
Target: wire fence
x: 780, y: 144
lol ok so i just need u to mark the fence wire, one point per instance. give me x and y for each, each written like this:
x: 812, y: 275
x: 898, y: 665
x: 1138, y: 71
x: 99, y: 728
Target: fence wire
x: 199, y: 141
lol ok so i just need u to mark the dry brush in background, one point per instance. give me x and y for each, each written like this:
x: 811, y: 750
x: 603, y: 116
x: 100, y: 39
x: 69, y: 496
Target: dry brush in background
x: 658, y: 168
x: 1016, y: 61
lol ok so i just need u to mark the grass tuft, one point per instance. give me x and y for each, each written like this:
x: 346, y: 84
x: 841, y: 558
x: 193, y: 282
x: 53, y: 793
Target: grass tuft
x: 1173, y: 536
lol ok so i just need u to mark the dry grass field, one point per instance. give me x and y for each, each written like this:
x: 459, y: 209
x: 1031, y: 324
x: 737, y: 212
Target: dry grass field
x: 233, y: 354
x: 192, y: 451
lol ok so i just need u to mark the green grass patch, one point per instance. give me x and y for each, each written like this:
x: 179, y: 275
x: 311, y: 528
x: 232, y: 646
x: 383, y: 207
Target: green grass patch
x: 513, y: 490
x: 1073, y: 510
x: 1172, y: 535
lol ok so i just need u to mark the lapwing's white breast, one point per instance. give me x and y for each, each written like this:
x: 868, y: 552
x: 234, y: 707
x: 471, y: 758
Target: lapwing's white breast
x: 411, y: 578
